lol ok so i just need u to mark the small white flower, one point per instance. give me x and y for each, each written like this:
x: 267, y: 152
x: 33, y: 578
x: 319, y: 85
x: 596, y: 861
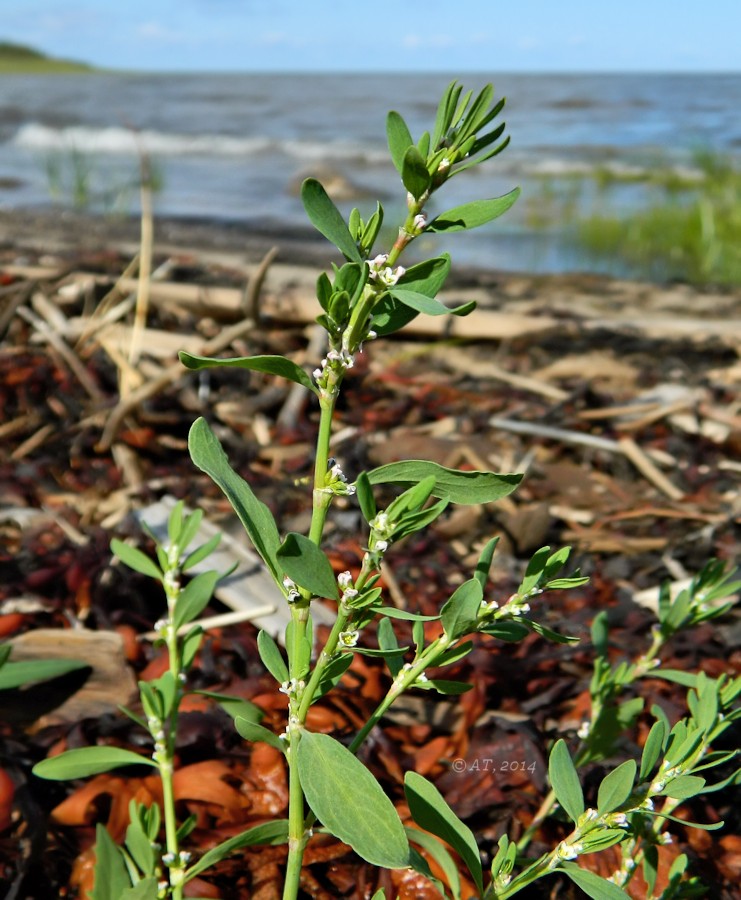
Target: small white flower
x: 349, y: 638
x: 584, y: 730
x: 422, y: 677
x: 382, y: 546
x: 420, y: 222
x: 665, y: 838
x: 444, y: 164
x: 567, y: 851
x: 349, y: 594
x: 344, y: 579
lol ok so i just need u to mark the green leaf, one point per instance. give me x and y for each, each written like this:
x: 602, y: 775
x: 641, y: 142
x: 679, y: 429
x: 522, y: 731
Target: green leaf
x: 616, y: 787
x: 430, y: 811
x: 474, y: 214
x: 399, y: 139
x: 506, y: 631
x: 444, y: 686
x: 189, y: 530
x: 349, y: 801
x: 600, y: 634
x: 332, y: 674
x: 251, y: 731
x: 272, y: 365
x: 414, y: 174
x: 308, y: 566
x: 565, y: 781
x: 460, y: 613
x: 445, y: 111
x: 268, y: 833
x: 111, y: 878
x: 652, y: 749
x: 389, y: 646
x: 327, y: 219
x: 146, y: 889
x: 429, y: 306
x: 271, y: 657
x: 234, y: 706
x: 16, y: 674
x: 365, y: 497
x: 194, y: 598
x: 87, y: 761
x: 135, y: 559
x: 426, y: 277
x: 453, y: 654
x: 483, y: 566
x: 440, y: 855
x: 393, y: 613
x: 450, y: 484
x: 593, y: 886
x: 534, y: 571
x: 207, y: 454
x: 201, y: 553
x: 683, y: 787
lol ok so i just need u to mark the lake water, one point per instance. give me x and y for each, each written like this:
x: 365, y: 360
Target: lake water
x: 236, y: 146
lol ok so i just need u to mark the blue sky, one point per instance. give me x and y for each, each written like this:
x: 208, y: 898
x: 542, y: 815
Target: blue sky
x: 384, y: 35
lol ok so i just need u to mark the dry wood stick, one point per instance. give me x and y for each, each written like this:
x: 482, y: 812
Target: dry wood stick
x: 175, y: 371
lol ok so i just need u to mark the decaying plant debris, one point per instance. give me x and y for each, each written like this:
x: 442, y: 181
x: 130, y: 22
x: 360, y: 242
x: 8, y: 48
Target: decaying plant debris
x: 619, y: 401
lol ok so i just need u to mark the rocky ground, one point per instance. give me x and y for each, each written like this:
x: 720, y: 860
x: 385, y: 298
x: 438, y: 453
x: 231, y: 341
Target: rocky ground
x: 618, y: 400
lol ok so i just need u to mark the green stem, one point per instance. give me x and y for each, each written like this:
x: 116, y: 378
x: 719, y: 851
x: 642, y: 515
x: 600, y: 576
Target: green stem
x: 297, y: 833
x: 401, y: 683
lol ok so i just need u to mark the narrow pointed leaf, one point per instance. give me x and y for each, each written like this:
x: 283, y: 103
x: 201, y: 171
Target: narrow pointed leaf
x: 349, y: 801
x: 474, y: 214
x: 308, y: 566
x: 483, y: 566
x: 195, y: 598
x: 251, y: 731
x: 88, y: 761
x: 15, y: 674
x: 207, y: 454
x: 267, y: 833
x: 430, y: 811
x: 441, y: 856
x: 593, y: 886
x: 135, y: 559
x: 327, y: 219
x: 450, y: 484
x: 429, y: 306
x: 426, y: 277
x: 565, y: 781
x: 272, y: 365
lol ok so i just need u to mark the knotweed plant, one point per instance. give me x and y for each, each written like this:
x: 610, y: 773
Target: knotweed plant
x: 369, y: 296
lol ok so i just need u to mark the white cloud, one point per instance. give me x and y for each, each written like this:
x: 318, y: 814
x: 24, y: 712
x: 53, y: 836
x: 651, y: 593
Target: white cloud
x: 154, y: 31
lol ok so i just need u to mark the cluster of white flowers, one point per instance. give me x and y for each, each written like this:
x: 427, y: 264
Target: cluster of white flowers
x: 344, y: 579
x: 384, y: 274
x: 339, y: 359
x: 292, y: 687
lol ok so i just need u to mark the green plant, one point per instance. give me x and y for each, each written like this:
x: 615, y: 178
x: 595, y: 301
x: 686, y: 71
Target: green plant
x: 366, y: 297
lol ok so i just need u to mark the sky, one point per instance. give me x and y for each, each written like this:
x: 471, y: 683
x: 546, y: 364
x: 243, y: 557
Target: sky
x: 384, y: 35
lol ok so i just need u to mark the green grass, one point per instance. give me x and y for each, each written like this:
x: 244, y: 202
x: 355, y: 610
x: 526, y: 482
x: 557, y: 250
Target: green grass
x: 18, y: 59
x: 688, y: 230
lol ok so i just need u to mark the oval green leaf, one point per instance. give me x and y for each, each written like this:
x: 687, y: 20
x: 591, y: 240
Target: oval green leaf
x: 135, y: 559
x: 565, y: 781
x: 308, y: 566
x: 616, y: 787
x: 349, y: 801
